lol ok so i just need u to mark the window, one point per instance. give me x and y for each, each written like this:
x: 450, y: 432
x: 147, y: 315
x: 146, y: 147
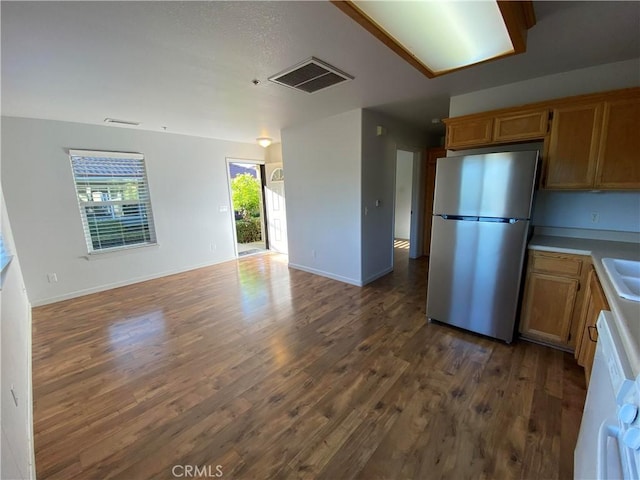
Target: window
x: 113, y: 195
x: 277, y: 175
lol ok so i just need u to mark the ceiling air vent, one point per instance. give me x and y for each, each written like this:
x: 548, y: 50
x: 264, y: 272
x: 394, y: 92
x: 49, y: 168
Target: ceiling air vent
x: 310, y: 76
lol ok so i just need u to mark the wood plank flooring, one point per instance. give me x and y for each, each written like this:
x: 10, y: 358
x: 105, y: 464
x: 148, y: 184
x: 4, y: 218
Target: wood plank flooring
x: 250, y: 370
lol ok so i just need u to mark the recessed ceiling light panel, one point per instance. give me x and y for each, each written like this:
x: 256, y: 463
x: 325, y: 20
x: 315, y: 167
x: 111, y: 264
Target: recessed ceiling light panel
x: 444, y: 35
x: 438, y: 37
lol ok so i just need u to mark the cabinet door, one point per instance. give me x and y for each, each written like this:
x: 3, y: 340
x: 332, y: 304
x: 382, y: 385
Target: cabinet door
x: 521, y: 126
x: 573, y: 147
x: 468, y: 133
x: 594, y: 303
x: 548, y: 307
x: 619, y: 152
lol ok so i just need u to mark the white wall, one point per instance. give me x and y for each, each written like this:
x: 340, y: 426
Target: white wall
x: 16, y: 442
x: 404, y: 183
x: 188, y: 185
x: 600, y: 78
x: 619, y: 211
x: 273, y: 153
x: 322, y: 181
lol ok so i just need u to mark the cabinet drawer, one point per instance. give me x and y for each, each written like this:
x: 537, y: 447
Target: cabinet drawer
x: 561, y: 265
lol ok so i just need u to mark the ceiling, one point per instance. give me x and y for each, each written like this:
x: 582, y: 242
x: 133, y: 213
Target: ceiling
x: 189, y: 66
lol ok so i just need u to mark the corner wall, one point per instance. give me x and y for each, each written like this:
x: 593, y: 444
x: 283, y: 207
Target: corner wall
x: 322, y: 180
x: 16, y: 421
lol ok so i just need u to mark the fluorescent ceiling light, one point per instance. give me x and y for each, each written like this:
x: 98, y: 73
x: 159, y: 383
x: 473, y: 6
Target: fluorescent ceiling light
x: 438, y: 37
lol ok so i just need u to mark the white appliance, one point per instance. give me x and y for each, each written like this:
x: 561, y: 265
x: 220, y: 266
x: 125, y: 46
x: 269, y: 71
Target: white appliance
x: 608, y: 446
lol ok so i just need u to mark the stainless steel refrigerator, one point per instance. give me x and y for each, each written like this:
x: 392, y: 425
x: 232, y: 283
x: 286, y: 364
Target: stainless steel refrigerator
x: 481, y: 215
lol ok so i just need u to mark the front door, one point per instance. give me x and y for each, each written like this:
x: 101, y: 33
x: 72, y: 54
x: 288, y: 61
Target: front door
x: 275, y: 205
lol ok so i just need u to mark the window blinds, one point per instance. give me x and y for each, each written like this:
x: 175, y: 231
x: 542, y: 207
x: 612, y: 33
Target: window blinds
x: 113, y: 195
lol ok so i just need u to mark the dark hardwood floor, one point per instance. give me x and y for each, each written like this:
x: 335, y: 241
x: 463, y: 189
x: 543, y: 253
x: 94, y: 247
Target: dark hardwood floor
x: 250, y: 370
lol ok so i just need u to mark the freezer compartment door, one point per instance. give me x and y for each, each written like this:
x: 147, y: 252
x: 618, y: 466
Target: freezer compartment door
x: 474, y: 275
x: 490, y: 185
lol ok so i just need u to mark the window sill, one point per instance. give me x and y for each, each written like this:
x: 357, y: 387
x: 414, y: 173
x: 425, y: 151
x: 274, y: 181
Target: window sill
x: 104, y: 254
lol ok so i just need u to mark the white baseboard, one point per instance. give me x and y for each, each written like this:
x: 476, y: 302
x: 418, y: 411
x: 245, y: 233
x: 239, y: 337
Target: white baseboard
x: 378, y: 275
x: 123, y: 283
x: 322, y: 273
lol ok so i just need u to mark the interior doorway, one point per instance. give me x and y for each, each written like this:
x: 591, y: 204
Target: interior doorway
x: 246, y: 182
x: 406, y: 223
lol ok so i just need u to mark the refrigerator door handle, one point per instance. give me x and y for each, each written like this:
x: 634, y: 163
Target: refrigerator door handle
x: 466, y: 218
x: 499, y: 220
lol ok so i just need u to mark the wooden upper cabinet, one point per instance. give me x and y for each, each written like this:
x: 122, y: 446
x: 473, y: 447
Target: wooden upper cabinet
x: 517, y: 127
x: 479, y: 130
x: 591, y: 142
x: 619, y: 153
x: 469, y: 133
x: 595, y: 145
x: 573, y: 146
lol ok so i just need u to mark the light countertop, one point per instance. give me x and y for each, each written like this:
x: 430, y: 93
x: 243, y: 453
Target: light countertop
x: 626, y: 312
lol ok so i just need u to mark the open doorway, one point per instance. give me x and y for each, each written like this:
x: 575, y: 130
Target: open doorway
x: 246, y: 180
x: 406, y: 228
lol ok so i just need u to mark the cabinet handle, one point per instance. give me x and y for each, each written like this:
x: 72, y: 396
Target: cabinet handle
x: 594, y: 337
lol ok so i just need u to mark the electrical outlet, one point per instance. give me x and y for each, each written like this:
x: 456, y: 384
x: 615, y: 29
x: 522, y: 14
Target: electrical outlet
x: 213, y: 247
x: 52, y: 277
x: 595, y: 217
x: 313, y: 254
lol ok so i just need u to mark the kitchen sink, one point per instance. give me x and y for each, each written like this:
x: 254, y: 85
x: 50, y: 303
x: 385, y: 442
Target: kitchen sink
x: 625, y: 276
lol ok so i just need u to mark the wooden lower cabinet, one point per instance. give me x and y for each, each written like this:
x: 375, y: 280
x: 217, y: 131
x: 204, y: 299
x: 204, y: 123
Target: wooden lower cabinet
x: 594, y: 302
x: 553, y: 297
